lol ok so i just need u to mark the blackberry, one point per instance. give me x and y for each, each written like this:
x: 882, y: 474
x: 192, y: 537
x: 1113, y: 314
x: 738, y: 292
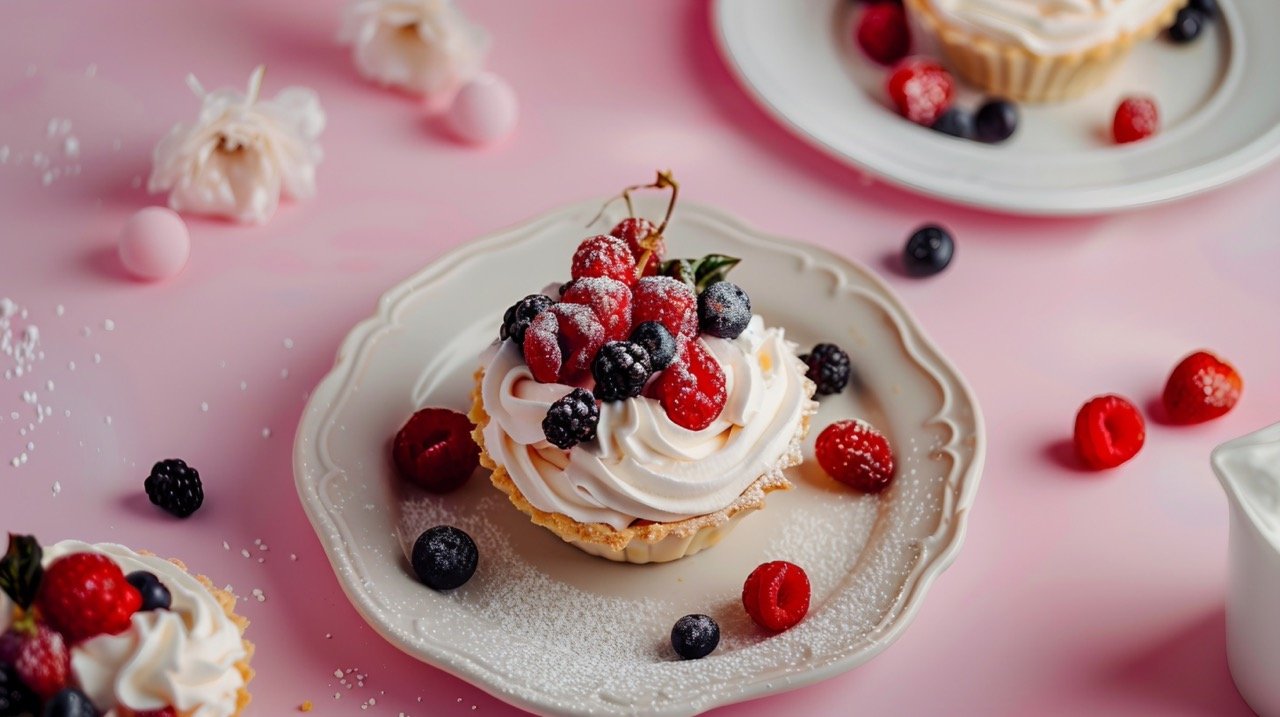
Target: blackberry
x: 444, y: 557
x: 175, y: 486
x: 724, y: 310
x: 519, y: 315
x: 621, y: 369
x: 659, y: 342
x: 15, y: 697
x: 155, y: 596
x: 695, y: 636
x: 928, y: 251
x: 828, y: 367
x: 69, y: 702
x: 572, y: 419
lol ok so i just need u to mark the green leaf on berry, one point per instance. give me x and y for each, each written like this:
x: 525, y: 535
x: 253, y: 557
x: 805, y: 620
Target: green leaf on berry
x: 700, y: 273
x: 21, y: 569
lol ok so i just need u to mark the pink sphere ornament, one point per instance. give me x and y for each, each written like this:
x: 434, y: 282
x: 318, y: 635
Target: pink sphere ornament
x: 484, y: 110
x: 155, y: 244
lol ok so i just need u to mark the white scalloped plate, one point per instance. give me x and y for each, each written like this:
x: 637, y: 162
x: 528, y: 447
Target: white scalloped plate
x: 1220, y: 112
x: 552, y: 630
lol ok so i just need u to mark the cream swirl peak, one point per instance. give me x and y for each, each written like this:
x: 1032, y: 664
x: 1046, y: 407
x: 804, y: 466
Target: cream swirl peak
x: 184, y: 657
x: 1051, y: 27
x: 642, y: 465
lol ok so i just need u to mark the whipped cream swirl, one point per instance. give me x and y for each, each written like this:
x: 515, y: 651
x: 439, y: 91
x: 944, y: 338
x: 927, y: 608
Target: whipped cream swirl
x: 1051, y: 27
x: 184, y: 657
x: 643, y: 465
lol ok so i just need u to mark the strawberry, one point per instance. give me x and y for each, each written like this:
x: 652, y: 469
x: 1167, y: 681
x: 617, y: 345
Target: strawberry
x: 921, y: 89
x: 434, y: 450
x: 1109, y: 431
x: 776, y: 595
x: 882, y: 32
x: 692, y: 388
x: 856, y: 454
x: 44, y: 662
x: 669, y: 301
x: 608, y: 299
x: 635, y: 231
x: 1202, y: 387
x: 607, y: 256
x: 561, y: 342
x: 1136, y: 118
x: 86, y: 594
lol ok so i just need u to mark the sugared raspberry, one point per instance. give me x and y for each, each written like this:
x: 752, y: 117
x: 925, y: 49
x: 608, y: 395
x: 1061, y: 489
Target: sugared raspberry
x: 1136, y: 118
x: 856, y: 454
x: 776, y: 595
x: 692, y: 388
x: 669, y: 301
x: 86, y: 594
x: 634, y: 231
x: 1109, y: 431
x: 561, y: 342
x: 44, y: 661
x: 608, y: 299
x: 434, y: 450
x: 607, y: 256
x: 1201, y: 387
x: 882, y: 32
x: 921, y: 89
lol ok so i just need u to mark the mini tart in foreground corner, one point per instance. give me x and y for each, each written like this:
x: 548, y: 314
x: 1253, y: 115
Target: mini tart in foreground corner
x: 644, y: 411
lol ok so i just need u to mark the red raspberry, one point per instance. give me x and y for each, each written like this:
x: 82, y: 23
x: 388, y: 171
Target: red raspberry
x: 1201, y: 387
x: 856, y: 454
x: 1109, y: 431
x: 921, y: 89
x: 633, y: 231
x: 882, y: 32
x: 435, y: 450
x: 692, y: 388
x: 776, y: 595
x: 44, y: 662
x: 668, y: 300
x: 1136, y: 118
x: 85, y: 594
x: 562, y: 342
x: 608, y: 299
x: 603, y: 255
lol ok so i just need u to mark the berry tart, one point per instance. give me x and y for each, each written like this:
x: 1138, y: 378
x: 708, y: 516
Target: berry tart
x: 1039, y: 50
x: 102, y: 629
x: 641, y: 410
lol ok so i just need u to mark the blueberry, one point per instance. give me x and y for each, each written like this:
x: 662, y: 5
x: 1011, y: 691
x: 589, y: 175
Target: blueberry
x: 1208, y: 7
x: 724, y: 310
x: 659, y: 342
x: 955, y: 122
x: 444, y: 557
x: 928, y: 251
x: 995, y: 121
x: 155, y: 596
x: 695, y: 636
x: 1187, y: 25
x: 69, y: 702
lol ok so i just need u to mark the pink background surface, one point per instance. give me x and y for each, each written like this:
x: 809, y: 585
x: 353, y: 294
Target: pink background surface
x: 1074, y: 593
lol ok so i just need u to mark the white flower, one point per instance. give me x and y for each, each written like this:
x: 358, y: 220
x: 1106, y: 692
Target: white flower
x: 424, y: 46
x: 241, y: 153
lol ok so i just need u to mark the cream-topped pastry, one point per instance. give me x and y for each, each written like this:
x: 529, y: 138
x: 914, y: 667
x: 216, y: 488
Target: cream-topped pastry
x: 1051, y: 27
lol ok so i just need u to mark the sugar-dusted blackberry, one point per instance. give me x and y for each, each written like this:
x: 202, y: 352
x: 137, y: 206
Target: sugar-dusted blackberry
x: 444, y: 557
x: 659, y: 342
x: 15, y: 697
x: 621, y: 370
x: 695, y: 636
x: 520, y: 314
x: 572, y: 419
x: 828, y: 368
x: 175, y: 486
x: 724, y: 310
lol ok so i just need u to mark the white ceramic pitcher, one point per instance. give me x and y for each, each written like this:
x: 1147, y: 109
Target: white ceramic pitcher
x: 1249, y: 468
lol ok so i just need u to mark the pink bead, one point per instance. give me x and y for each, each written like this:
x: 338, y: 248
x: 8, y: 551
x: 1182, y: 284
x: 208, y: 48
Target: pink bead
x: 484, y: 110
x: 155, y: 244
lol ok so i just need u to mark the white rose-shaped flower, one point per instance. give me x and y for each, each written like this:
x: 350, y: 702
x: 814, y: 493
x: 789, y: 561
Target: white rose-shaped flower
x: 423, y: 46
x: 242, y: 153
